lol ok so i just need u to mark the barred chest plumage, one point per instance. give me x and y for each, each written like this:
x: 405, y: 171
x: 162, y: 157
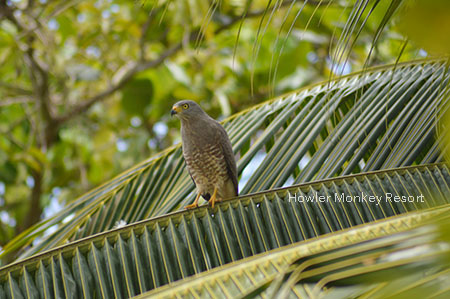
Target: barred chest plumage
x: 207, y: 167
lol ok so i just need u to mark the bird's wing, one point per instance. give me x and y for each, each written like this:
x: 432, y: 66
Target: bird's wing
x: 229, y: 158
x: 187, y: 168
x: 192, y: 178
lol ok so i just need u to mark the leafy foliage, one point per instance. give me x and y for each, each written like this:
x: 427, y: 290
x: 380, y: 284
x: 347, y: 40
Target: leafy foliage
x: 360, y: 123
x: 72, y: 113
x: 85, y: 89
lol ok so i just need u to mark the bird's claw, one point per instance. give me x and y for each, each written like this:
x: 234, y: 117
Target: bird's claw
x: 211, y: 202
x: 213, y: 198
x: 191, y: 206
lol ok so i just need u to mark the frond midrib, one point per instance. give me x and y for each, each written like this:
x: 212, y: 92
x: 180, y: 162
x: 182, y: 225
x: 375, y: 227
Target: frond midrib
x: 202, y: 210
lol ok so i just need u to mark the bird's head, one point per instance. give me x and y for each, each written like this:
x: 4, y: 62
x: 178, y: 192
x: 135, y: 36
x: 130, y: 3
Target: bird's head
x: 187, y: 110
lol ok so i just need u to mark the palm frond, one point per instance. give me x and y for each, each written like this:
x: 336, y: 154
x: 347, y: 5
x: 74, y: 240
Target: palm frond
x: 381, y: 259
x: 146, y: 255
x: 381, y: 118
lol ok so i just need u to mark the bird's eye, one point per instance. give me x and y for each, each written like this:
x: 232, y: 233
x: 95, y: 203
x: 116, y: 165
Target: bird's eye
x: 185, y: 106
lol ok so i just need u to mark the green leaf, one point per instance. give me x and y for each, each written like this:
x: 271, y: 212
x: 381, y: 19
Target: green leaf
x: 9, y: 172
x: 425, y: 22
x: 27, y: 284
x: 137, y: 95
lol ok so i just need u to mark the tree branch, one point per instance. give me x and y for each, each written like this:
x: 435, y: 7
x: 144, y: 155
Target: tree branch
x: 145, y: 65
x: 38, y: 24
x: 35, y: 211
x: 39, y: 76
x: 30, y: 4
x: 16, y: 100
x: 76, y: 110
x: 113, y: 88
x: 16, y: 89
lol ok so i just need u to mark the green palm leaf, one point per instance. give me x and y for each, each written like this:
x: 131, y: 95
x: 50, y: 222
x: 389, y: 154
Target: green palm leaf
x: 381, y: 118
x: 382, y: 255
x: 143, y: 256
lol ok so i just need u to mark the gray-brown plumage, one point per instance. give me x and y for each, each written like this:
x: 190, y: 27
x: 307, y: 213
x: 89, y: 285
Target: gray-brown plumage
x: 207, y: 152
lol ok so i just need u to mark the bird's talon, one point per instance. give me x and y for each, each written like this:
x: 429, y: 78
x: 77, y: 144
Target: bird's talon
x: 213, y: 198
x: 211, y: 203
x: 194, y: 204
x: 191, y: 206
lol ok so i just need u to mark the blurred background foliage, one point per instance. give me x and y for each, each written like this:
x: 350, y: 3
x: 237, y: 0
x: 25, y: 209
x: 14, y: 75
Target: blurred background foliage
x: 86, y: 86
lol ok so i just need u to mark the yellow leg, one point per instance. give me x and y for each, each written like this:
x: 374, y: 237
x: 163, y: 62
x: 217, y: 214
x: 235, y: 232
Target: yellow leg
x: 195, y: 204
x: 212, y: 200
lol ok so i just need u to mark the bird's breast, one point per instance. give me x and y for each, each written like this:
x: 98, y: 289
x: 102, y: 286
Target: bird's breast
x: 206, y: 164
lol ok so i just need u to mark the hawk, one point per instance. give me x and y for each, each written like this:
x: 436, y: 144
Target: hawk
x: 208, y: 153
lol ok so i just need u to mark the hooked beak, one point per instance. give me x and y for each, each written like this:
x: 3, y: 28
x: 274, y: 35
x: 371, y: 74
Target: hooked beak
x: 175, y: 110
